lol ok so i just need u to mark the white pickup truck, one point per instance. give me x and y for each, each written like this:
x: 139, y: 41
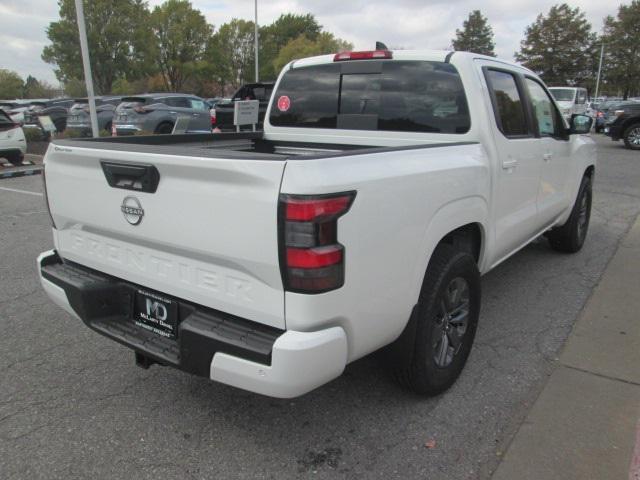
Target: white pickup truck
x: 384, y: 184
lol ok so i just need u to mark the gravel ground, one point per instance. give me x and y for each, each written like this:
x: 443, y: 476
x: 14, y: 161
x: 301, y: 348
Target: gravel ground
x: 74, y: 405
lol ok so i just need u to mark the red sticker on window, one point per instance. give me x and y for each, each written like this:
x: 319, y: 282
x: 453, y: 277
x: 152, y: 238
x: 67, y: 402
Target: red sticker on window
x: 284, y: 103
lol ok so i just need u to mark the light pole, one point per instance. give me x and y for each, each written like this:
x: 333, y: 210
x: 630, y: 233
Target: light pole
x: 256, y: 36
x: 599, y: 70
x: 88, y: 79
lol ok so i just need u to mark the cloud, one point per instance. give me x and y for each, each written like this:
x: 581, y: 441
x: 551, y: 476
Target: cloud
x: 401, y: 23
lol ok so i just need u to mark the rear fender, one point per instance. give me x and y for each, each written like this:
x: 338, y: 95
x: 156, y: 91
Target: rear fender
x: 448, y: 218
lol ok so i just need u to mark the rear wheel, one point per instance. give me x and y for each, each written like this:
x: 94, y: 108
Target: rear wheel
x: 446, y: 321
x: 570, y: 237
x: 61, y: 124
x: 15, y: 158
x: 165, y: 128
x: 631, y: 137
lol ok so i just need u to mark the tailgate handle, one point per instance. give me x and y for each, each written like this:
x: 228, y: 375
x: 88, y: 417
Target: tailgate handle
x: 129, y: 176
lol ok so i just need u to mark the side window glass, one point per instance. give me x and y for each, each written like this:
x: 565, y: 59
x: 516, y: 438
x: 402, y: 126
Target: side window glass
x: 197, y: 104
x: 543, y: 109
x: 582, y: 96
x: 508, y: 105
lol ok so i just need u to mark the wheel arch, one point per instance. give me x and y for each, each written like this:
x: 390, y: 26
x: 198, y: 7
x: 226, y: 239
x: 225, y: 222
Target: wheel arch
x: 162, y: 123
x: 635, y: 120
x: 463, y: 223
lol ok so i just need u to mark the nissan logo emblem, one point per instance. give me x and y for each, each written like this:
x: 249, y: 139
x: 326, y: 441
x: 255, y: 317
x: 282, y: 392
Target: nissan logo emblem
x: 132, y: 210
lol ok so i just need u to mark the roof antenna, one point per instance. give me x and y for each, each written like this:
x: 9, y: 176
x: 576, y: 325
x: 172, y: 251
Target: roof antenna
x: 381, y: 46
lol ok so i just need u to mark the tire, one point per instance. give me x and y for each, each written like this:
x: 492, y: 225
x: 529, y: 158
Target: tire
x: 165, y: 128
x: 570, y: 237
x: 631, y: 137
x: 14, y: 158
x: 61, y: 124
x: 448, y: 309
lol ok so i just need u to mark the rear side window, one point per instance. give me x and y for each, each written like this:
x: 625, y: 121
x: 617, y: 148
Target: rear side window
x: 408, y: 96
x: 179, y: 102
x: 197, y: 104
x: 582, y: 96
x: 507, y: 103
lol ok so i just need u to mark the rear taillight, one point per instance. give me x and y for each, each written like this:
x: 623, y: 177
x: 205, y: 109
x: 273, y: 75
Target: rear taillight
x: 368, y: 55
x: 212, y: 112
x: 46, y: 196
x: 311, y: 259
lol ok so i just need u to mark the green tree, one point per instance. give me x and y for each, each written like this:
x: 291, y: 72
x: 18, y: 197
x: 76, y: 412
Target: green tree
x: 275, y: 36
x: 75, y: 88
x: 304, y: 47
x: 559, y: 46
x: 476, y: 35
x: 118, y: 37
x: 11, y: 85
x: 181, y: 34
x: 230, y: 53
x: 622, y: 46
x: 34, y: 88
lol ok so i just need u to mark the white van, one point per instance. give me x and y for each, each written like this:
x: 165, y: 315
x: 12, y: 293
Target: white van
x: 571, y: 100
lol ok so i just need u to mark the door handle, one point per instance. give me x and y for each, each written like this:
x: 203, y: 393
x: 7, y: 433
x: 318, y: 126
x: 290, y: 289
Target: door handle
x: 138, y: 177
x: 547, y: 156
x: 509, y: 162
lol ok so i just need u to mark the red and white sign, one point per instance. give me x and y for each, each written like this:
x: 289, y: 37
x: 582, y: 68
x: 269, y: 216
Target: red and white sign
x: 284, y: 103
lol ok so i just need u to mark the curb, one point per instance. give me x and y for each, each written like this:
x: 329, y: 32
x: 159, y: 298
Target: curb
x: 584, y: 424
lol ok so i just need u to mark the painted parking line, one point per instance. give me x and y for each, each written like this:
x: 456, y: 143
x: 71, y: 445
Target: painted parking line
x: 26, y: 192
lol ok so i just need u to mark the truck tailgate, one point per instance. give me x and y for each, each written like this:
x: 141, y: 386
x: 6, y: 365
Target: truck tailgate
x: 208, y: 234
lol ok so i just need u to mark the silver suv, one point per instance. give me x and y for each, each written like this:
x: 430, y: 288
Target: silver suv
x: 159, y: 112
x: 79, y: 119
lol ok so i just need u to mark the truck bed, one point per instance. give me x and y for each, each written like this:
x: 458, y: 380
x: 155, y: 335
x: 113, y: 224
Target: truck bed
x: 248, y: 146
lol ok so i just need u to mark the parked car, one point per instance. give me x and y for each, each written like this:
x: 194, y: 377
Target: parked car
x: 80, y: 120
x: 623, y: 123
x: 384, y: 184
x: 223, y: 118
x: 571, y: 100
x: 13, y: 145
x: 57, y: 109
x: 158, y: 112
x: 602, y: 112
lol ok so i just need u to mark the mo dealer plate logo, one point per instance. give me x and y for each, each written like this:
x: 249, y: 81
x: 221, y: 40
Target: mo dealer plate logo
x: 132, y: 210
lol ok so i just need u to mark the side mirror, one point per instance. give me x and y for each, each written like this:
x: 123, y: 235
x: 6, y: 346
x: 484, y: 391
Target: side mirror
x: 580, y: 124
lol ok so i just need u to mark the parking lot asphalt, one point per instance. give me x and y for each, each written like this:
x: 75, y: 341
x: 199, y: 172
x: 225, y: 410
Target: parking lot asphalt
x: 74, y: 405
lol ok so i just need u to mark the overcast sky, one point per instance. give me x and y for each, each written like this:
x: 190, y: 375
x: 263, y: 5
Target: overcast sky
x: 398, y: 23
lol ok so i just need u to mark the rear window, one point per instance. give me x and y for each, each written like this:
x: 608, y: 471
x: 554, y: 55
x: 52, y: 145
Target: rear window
x: 406, y: 96
x: 563, y: 94
x: 5, y: 119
